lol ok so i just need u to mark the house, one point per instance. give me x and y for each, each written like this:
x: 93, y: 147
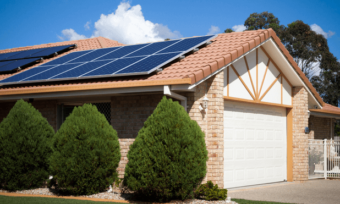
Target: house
x: 259, y: 104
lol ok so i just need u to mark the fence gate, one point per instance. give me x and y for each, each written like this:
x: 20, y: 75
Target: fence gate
x: 324, y: 158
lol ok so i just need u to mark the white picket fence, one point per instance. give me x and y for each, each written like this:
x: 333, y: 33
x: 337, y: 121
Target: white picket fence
x: 324, y: 158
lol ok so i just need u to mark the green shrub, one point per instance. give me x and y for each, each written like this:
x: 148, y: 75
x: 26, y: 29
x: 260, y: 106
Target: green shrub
x: 209, y: 191
x: 168, y: 158
x: 86, y: 153
x: 25, y: 138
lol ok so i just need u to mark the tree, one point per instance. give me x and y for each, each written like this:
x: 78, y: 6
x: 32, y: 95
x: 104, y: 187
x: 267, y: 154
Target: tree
x: 86, y: 152
x: 25, y: 147
x: 305, y: 46
x: 168, y: 158
x: 263, y: 20
x: 229, y: 30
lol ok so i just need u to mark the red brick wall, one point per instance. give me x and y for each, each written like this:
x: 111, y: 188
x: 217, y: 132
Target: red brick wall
x: 48, y: 109
x: 300, y: 139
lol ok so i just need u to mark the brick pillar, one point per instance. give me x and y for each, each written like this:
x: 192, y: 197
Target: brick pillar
x: 211, y: 123
x: 300, y: 139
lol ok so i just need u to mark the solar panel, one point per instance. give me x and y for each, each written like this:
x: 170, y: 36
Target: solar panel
x: 51, y: 50
x: 3, y: 63
x: 34, y: 53
x: 95, y: 54
x: 68, y: 57
x: 144, y: 65
x: 113, y: 67
x: 18, y: 63
x: 6, y: 55
x: 110, y: 62
x: 25, y: 54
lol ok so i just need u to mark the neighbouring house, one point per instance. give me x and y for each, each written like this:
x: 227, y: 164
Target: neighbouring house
x: 259, y: 104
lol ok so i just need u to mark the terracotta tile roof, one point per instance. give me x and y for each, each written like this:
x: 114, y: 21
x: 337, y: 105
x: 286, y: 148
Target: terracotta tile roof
x: 224, y: 49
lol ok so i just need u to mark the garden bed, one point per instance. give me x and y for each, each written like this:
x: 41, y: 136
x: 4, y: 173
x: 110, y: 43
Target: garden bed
x: 115, y: 195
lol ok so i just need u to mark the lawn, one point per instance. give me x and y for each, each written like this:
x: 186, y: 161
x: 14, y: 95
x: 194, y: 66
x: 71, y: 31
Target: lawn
x: 38, y: 200
x: 241, y: 201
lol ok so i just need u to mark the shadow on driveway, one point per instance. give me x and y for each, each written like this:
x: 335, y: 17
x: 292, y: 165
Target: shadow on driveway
x: 309, y: 192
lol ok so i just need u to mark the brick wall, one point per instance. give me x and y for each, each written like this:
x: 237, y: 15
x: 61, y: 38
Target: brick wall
x: 128, y: 114
x: 320, y: 128
x: 48, y: 109
x: 211, y: 123
x: 300, y: 139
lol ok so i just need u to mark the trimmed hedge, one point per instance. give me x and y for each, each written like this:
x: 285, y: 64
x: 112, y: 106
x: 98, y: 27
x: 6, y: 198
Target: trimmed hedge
x: 86, y: 153
x: 25, y: 147
x: 168, y: 158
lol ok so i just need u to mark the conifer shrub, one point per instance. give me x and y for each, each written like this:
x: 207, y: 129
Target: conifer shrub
x: 168, y: 157
x: 85, y: 154
x: 25, y: 145
x: 209, y: 191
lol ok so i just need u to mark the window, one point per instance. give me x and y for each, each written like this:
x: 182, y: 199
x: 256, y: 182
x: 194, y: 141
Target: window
x: 63, y: 111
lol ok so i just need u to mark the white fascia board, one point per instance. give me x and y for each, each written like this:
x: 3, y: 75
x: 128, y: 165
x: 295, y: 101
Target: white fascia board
x: 293, y: 70
x: 85, y: 93
x: 324, y: 115
x: 225, y: 66
x: 181, y: 88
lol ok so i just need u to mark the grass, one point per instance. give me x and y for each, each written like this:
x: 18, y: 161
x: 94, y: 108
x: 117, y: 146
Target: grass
x: 38, y: 200
x: 241, y: 201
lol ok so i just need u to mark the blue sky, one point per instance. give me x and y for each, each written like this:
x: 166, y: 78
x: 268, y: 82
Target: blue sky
x: 33, y: 22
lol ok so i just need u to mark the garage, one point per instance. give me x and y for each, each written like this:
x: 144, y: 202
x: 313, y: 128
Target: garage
x: 255, y: 144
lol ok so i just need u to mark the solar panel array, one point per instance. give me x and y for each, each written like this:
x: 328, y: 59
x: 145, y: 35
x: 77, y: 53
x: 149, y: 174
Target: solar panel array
x: 13, y: 60
x: 109, y: 62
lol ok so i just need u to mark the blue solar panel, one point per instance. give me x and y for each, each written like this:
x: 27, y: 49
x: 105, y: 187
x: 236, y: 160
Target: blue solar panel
x: 52, y: 72
x: 25, y: 74
x: 50, y: 51
x: 186, y: 44
x: 18, y: 63
x: 107, y: 62
x: 154, y: 47
x: 78, y: 71
x: 3, y: 63
x: 122, y: 52
x: 93, y: 55
x: 25, y: 54
x: 68, y: 57
x: 7, y: 55
x: 149, y: 63
x: 114, y: 66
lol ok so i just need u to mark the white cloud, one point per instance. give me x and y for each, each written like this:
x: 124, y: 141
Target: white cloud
x: 239, y: 28
x: 70, y: 34
x: 213, y: 30
x: 128, y: 25
x: 87, y: 25
x: 319, y: 30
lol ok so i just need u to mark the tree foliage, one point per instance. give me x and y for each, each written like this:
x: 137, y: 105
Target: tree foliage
x: 86, y: 152
x: 25, y: 147
x: 263, y: 20
x: 168, y: 158
x: 305, y: 46
x: 229, y: 30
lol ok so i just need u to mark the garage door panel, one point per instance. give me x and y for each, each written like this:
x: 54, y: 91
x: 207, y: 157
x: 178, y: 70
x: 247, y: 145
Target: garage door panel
x: 255, y: 144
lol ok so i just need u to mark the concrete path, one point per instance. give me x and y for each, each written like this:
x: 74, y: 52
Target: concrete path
x: 309, y: 192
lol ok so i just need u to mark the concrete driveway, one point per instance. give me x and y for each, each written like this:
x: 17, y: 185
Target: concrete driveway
x: 309, y: 192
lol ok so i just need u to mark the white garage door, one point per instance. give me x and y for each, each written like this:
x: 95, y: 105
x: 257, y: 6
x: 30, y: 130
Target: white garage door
x: 255, y: 144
